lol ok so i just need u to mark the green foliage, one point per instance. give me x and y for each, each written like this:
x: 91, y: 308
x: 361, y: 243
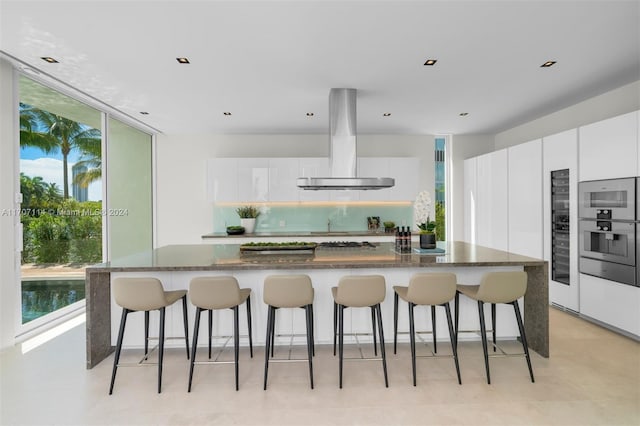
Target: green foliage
x: 440, y: 221
x: 68, y: 232
x: 248, y: 212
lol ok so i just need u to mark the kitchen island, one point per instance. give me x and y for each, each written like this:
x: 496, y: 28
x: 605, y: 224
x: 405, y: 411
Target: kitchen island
x: 176, y: 265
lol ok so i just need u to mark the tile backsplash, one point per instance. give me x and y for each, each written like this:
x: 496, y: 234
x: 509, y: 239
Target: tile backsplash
x: 314, y: 218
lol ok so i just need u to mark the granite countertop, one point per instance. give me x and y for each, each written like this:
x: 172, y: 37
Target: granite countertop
x: 302, y: 234
x: 228, y: 257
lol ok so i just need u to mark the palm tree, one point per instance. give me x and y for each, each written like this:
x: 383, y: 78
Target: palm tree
x: 91, y: 160
x: 54, y: 133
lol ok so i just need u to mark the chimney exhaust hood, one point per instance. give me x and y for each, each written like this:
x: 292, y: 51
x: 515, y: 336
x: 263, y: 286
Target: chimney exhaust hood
x: 342, y: 149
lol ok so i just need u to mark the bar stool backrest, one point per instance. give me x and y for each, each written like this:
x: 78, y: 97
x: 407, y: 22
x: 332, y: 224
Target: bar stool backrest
x: 214, y: 292
x: 360, y: 290
x: 139, y: 294
x: 502, y: 287
x: 432, y: 288
x: 288, y: 291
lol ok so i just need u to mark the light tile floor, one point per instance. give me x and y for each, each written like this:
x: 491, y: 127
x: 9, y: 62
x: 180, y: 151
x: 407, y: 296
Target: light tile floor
x: 592, y: 377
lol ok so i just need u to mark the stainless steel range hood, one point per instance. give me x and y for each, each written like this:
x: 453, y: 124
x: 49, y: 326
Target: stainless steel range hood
x: 343, y: 148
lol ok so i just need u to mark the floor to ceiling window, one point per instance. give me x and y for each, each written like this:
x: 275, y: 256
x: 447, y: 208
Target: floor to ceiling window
x: 67, y: 223
x: 440, y: 178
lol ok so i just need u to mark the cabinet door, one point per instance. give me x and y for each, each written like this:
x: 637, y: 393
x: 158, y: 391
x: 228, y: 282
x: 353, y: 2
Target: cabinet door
x: 611, y: 303
x: 406, y: 172
x: 609, y: 148
x: 222, y: 180
x: 375, y: 167
x: 470, y: 199
x: 253, y: 179
x: 492, y: 208
x: 525, y: 199
x: 560, y: 151
x: 283, y: 173
x: 313, y: 167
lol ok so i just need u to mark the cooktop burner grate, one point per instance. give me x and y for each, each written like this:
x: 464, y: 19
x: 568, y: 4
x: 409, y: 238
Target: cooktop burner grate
x: 347, y: 244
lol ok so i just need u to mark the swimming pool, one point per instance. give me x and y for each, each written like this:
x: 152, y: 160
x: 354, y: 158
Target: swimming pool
x: 41, y: 297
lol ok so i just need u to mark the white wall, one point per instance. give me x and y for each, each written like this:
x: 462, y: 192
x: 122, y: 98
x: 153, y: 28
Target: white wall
x: 615, y: 102
x: 8, y: 173
x: 462, y: 147
x: 183, y: 212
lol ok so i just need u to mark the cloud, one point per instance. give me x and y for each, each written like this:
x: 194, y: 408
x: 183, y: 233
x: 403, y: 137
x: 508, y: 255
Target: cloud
x: 50, y: 170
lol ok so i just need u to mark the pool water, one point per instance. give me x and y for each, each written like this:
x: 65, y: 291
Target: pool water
x: 41, y: 297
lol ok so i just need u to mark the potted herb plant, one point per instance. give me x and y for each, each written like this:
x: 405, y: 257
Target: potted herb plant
x: 248, y: 216
x: 426, y: 227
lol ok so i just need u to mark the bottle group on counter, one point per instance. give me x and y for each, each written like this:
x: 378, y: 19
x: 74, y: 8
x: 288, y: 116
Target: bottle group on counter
x: 403, y: 239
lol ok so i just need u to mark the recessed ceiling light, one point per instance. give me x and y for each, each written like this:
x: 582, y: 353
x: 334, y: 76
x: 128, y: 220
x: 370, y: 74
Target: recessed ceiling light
x: 547, y: 64
x: 310, y: 114
x: 183, y: 60
x: 226, y: 113
x: 49, y: 59
x: 464, y: 114
x: 431, y: 62
x: 386, y: 114
x: 144, y: 113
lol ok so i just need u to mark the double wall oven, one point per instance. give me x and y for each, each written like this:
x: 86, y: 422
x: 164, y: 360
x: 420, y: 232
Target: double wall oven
x: 609, y: 229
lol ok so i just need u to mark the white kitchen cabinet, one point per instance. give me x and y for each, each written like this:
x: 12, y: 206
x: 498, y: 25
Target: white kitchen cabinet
x: 406, y: 172
x: 638, y: 140
x: 609, y: 148
x: 470, y: 199
x: 560, y: 151
x: 492, y: 207
x: 222, y: 180
x: 283, y: 173
x: 313, y: 167
x: 253, y: 179
x: 375, y: 167
x: 611, y: 303
x: 525, y: 198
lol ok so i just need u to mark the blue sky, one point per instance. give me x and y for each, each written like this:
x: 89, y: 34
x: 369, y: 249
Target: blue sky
x: 31, y: 153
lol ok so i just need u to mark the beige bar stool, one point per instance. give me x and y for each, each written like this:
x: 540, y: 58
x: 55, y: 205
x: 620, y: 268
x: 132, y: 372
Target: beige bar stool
x: 145, y: 294
x: 214, y: 293
x: 497, y: 287
x: 432, y: 289
x: 360, y: 291
x: 288, y: 291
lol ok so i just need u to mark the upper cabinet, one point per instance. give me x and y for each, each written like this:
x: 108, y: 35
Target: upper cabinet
x: 274, y: 179
x: 525, y: 199
x: 470, y: 197
x: 609, y: 148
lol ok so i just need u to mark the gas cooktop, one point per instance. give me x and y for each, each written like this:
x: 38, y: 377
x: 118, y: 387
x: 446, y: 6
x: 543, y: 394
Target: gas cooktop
x: 347, y: 244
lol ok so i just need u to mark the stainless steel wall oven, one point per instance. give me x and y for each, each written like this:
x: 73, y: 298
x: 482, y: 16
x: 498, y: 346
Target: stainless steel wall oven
x: 608, y: 234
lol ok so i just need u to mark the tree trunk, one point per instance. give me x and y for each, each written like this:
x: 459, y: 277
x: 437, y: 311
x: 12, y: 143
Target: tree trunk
x: 65, y: 176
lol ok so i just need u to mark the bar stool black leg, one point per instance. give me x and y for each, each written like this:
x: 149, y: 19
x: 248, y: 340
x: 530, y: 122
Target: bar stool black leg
x: 249, y: 325
x: 116, y: 359
x: 412, y: 338
x: 340, y: 339
x: 433, y: 324
x: 185, y: 320
x: 483, y: 333
x: 309, y: 318
x: 268, y: 343
x: 335, y: 326
x: 146, y: 332
x: 382, y: 351
x: 273, y: 330
x: 373, y: 322
x: 493, y: 324
x: 161, y: 353
x: 524, y: 338
x: 395, y: 322
x: 196, y: 328
x: 457, y: 316
x: 236, y: 340
x: 452, y: 338
x: 210, y: 312
x: 313, y: 339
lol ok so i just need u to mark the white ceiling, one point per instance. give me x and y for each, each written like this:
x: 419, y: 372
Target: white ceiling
x: 269, y: 63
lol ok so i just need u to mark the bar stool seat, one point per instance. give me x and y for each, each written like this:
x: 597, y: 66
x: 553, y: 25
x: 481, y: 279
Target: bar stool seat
x: 428, y: 289
x: 288, y: 291
x: 494, y: 288
x: 145, y: 294
x: 360, y: 291
x: 216, y: 293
